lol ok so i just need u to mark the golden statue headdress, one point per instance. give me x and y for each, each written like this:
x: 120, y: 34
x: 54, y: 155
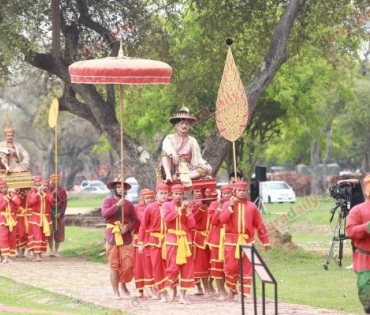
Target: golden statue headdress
x: 8, y: 127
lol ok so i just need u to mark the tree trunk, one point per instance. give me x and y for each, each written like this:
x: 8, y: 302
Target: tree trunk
x: 365, y: 157
x: 329, y: 137
x: 314, y: 165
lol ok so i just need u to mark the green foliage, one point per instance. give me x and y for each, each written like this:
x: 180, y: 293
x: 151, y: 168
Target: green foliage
x: 313, y: 94
x: 190, y: 36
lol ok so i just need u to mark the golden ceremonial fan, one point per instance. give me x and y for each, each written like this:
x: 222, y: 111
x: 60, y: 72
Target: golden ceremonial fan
x: 232, y: 103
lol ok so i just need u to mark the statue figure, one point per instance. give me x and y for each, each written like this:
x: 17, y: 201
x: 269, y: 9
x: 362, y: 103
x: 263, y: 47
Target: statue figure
x: 181, y: 156
x: 13, y: 156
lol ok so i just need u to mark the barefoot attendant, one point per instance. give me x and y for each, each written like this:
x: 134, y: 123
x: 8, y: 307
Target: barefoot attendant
x: 57, y: 215
x: 179, y: 220
x: 22, y: 223
x: 40, y: 200
x: 153, y: 224
x: 120, y: 218
x: 9, y: 202
x: 215, y: 241
x: 242, y: 219
x: 143, y: 267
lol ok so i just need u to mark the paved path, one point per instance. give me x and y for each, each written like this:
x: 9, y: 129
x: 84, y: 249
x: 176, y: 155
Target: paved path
x: 90, y: 282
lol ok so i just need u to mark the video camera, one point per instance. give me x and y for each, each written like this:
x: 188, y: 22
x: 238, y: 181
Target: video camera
x: 347, y: 195
x: 342, y: 191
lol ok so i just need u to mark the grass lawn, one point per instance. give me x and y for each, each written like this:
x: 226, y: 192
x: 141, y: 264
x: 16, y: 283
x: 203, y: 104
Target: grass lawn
x: 43, y: 302
x: 85, y: 200
x: 299, y: 273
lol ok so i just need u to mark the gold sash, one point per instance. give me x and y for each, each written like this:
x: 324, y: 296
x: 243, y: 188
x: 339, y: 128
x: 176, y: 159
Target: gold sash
x: 241, y: 240
x: 44, y: 223
x: 221, y: 247
x: 23, y: 213
x: 10, y: 222
x: 160, y: 237
x: 116, y: 231
x: 183, y: 248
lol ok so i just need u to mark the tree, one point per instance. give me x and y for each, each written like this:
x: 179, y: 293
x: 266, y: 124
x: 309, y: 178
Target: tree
x: 86, y: 31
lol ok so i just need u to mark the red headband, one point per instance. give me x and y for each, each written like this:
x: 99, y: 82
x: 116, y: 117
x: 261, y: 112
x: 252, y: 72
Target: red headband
x: 177, y: 188
x: 227, y: 188
x: 241, y: 185
x: 146, y: 193
x: 162, y: 187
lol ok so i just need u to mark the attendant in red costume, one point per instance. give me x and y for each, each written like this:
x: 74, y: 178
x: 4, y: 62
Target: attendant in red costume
x: 36, y: 185
x: 120, y: 217
x: 9, y: 202
x: 153, y: 223
x: 197, y: 196
x: 40, y: 220
x: 143, y: 267
x: 215, y: 241
x: 22, y: 225
x: 358, y: 230
x: 202, y: 253
x: 58, y: 211
x: 241, y: 218
x: 179, y: 220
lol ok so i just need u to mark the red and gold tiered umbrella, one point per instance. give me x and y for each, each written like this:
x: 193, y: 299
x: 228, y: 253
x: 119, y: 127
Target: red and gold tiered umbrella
x: 120, y: 70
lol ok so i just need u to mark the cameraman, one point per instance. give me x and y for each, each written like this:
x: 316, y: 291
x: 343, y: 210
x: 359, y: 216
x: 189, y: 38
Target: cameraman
x: 358, y: 230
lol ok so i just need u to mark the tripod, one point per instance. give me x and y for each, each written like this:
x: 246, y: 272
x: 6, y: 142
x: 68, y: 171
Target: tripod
x: 259, y: 201
x: 339, y: 235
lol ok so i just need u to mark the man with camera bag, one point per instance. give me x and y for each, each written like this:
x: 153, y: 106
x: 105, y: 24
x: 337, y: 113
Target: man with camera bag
x: 358, y: 230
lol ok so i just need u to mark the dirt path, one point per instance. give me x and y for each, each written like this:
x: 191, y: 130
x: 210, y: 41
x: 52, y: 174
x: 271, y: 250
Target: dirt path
x: 90, y: 282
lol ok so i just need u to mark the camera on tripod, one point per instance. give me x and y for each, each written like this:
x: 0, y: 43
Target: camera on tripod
x: 342, y: 193
x: 347, y: 193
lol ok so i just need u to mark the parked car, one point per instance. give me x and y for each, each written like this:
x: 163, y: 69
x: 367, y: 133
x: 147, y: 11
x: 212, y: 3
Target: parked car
x: 94, y: 183
x: 95, y: 190
x: 132, y: 194
x: 277, y: 191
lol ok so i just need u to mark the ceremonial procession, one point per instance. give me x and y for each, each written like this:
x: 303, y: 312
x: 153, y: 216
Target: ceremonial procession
x: 182, y: 235
x: 173, y: 157
x: 32, y: 207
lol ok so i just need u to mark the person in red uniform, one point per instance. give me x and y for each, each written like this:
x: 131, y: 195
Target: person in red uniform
x: 242, y: 219
x: 37, y: 179
x: 358, y: 230
x: 9, y: 202
x: 153, y: 223
x: 143, y: 267
x: 215, y: 236
x: 196, y: 201
x: 22, y: 223
x: 202, y: 253
x: 40, y: 200
x: 179, y: 220
x: 120, y: 219
x: 58, y: 211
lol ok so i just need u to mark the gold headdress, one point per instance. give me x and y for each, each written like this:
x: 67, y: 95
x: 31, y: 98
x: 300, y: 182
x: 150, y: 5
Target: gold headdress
x: 8, y: 127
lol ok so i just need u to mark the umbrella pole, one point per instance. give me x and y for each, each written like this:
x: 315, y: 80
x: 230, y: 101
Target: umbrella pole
x: 121, y: 118
x: 122, y: 166
x: 234, y: 160
x: 56, y: 181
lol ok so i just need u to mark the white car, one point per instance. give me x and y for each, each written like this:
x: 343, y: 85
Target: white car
x: 277, y: 191
x: 133, y: 193
x: 94, y: 190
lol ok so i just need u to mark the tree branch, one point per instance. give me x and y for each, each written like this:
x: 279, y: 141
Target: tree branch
x: 273, y: 60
